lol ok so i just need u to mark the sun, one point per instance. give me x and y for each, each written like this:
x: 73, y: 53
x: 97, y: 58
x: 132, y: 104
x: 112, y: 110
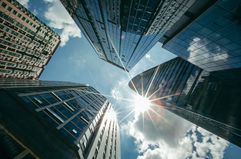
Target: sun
x: 141, y: 104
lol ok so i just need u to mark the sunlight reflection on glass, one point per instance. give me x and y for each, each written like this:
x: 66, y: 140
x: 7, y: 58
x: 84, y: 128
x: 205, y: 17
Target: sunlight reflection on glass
x: 112, y: 115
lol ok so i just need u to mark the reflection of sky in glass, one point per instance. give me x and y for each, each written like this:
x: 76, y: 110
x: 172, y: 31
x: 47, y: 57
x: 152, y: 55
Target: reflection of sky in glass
x: 213, y: 40
x: 202, y: 55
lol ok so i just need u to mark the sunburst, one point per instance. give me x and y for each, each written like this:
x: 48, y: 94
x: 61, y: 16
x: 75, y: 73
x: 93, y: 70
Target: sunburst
x: 141, y: 104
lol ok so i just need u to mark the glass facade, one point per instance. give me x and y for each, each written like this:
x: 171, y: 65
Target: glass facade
x: 11, y: 147
x: 208, y: 99
x: 213, y: 40
x: 64, y: 116
x: 170, y: 78
x: 70, y: 111
x: 106, y: 144
x: 122, y: 32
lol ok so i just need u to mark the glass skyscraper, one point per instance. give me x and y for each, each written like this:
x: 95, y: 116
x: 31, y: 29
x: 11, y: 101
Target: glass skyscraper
x: 46, y: 119
x: 208, y: 99
x: 211, y: 40
x: 123, y: 31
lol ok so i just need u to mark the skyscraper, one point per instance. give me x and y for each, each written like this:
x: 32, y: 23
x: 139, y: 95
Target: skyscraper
x: 122, y: 31
x: 45, y: 119
x: 209, y: 100
x: 26, y: 43
x: 210, y: 40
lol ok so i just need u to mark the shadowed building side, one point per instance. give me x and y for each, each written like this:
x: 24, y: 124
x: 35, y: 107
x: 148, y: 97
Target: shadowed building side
x: 46, y: 119
x: 207, y: 99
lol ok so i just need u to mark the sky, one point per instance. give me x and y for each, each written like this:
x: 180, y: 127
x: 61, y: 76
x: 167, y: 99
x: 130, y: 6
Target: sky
x: 159, y: 135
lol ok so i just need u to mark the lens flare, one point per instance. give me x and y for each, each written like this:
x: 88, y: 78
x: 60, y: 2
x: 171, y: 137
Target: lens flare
x: 141, y: 104
x: 112, y: 115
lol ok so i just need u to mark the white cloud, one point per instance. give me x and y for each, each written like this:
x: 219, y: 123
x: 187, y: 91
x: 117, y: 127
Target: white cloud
x: 24, y: 2
x: 59, y: 18
x: 161, y: 126
x: 151, y: 154
x: 148, y: 56
x: 35, y: 12
x: 115, y: 94
x: 122, y: 99
x: 210, y: 144
x: 118, y: 93
x: 158, y: 125
x: 167, y: 136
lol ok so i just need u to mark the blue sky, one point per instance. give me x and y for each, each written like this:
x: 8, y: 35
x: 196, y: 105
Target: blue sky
x: 159, y: 137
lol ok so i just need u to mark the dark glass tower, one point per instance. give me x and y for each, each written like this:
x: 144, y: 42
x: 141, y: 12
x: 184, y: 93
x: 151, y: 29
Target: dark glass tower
x: 211, y: 40
x: 45, y: 119
x: 123, y: 31
x: 210, y: 100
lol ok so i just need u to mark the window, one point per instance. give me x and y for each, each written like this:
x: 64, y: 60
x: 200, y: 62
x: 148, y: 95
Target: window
x: 37, y: 100
x: 55, y: 115
x: 96, y: 153
x: 23, y: 18
x: 19, y: 15
x: 75, y: 131
x: 14, y: 12
x: 4, y: 4
x: 9, y: 9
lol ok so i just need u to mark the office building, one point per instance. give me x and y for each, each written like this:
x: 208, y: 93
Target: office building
x: 26, y: 43
x: 122, y: 32
x: 210, y: 100
x: 46, y: 119
x: 210, y: 39
x: 169, y: 78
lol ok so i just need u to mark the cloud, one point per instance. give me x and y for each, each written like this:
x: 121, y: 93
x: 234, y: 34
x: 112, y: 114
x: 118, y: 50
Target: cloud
x: 148, y: 56
x: 24, y: 3
x: 35, y: 12
x: 210, y: 144
x: 116, y: 94
x: 122, y: 99
x: 59, y: 18
x: 167, y: 136
x: 121, y: 91
x: 159, y: 125
x: 151, y: 154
